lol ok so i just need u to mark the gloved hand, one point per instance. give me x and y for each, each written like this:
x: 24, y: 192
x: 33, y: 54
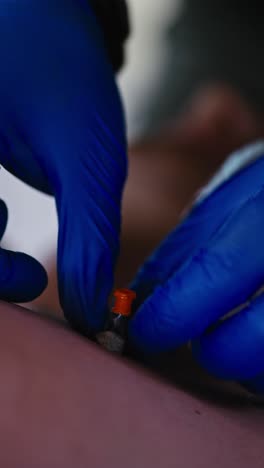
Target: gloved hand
x: 62, y: 131
x: 211, y: 264
x: 22, y: 278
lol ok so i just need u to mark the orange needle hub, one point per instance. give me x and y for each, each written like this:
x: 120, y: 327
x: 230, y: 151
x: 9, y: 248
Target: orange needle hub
x: 123, y: 301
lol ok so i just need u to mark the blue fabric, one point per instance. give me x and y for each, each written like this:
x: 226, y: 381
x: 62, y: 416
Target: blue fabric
x: 212, y: 263
x: 62, y: 131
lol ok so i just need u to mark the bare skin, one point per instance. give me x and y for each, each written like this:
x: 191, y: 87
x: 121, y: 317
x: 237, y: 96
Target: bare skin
x: 66, y: 403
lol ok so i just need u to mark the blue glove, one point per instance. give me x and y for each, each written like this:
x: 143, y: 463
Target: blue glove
x: 211, y: 264
x: 62, y: 131
x: 21, y: 277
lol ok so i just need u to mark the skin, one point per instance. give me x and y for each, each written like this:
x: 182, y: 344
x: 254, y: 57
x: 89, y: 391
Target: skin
x: 66, y: 402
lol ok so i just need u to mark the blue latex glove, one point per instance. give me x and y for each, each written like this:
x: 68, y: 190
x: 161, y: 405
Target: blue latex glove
x: 21, y: 277
x: 62, y: 131
x: 212, y: 263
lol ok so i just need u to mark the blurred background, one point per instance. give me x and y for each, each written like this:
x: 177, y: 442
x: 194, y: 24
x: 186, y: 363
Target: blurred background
x: 193, y: 92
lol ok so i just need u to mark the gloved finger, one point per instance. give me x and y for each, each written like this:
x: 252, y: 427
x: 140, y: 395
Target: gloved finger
x: 22, y: 278
x: 235, y: 348
x: 88, y: 191
x: 89, y: 210
x: 217, y: 279
x: 196, y: 230
x: 3, y: 218
x: 87, y: 249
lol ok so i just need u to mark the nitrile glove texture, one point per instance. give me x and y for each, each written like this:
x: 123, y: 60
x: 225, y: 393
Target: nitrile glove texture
x: 211, y: 264
x: 62, y: 131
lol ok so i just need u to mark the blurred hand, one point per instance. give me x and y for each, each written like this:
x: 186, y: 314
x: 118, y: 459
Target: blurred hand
x: 62, y: 131
x: 211, y: 264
